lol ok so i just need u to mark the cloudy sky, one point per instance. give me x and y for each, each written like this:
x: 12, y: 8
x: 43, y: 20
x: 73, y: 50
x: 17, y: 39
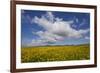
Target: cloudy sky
x: 54, y: 28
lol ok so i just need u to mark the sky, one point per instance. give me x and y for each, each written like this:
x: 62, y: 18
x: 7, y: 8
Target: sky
x: 40, y: 28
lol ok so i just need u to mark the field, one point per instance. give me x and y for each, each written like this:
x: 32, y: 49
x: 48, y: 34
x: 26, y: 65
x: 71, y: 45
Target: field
x: 55, y: 53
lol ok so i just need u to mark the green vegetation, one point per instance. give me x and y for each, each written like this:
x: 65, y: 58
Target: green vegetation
x: 55, y: 53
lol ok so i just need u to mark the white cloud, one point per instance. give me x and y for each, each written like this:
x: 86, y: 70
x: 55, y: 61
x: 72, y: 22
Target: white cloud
x: 51, y: 37
x: 56, y: 29
x: 83, y: 22
x: 77, y: 20
x: 87, y: 37
x: 50, y: 16
x: 74, y: 26
x: 38, y: 42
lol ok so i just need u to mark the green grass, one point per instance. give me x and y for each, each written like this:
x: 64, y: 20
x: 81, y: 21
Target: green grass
x: 55, y: 53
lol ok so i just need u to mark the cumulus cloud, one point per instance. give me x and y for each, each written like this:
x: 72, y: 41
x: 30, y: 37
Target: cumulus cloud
x: 56, y: 29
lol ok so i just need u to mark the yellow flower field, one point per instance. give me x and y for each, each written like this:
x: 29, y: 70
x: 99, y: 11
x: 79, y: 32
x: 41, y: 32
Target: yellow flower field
x: 55, y: 53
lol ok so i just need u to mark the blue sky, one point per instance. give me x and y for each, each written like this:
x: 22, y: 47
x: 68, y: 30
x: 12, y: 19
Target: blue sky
x: 54, y: 28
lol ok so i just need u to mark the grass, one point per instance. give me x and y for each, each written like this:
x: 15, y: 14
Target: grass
x: 55, y: 53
